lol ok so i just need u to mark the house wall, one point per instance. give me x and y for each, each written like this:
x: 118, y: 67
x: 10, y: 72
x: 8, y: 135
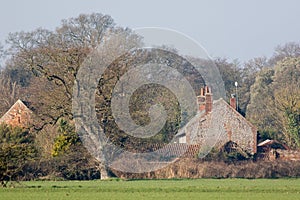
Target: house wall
x: 223, y: 124
x: 238, y: 129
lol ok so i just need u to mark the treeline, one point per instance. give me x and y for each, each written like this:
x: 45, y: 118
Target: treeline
x: 41, y: 66
x: 269, y: 92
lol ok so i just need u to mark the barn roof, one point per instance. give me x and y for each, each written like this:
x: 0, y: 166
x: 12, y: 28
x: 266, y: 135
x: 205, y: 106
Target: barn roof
x: 273, y: 144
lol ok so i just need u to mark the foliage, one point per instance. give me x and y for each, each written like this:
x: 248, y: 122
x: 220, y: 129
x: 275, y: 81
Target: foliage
x: 231, y: 73
x: 260, y: 92
x: 275, y: 101
x: 229, y: 152
x: 75, y: 164
x: 142, y: 99
x: 16, y: 149
x: 244, y: 75
x: 54, y: 57
x: 65, y: 139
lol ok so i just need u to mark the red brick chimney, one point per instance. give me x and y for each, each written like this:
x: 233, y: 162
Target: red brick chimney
x: 205, y: 100
x: 208, y: 100
x: 201, y: 100
x: 233, y: 101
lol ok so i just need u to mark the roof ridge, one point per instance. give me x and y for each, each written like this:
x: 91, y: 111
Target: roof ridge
x: 236, y: 112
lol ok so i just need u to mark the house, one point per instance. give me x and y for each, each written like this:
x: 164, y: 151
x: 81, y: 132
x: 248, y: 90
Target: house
x: 217, y: 123
x: 18, y: 115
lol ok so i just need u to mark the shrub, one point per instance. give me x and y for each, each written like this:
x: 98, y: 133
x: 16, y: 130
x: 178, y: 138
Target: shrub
x: 16, y: 149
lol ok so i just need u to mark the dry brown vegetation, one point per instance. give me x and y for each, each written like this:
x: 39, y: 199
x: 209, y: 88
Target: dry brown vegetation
x: 195, y: 168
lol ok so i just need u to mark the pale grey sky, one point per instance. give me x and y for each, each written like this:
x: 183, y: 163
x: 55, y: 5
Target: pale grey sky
x: 234, y: 29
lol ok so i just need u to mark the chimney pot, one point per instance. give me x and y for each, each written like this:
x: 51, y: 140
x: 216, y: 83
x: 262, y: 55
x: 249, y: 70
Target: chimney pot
x: 202, y: 92
x: 233, y: 102
x: 209, y: 100
x: 206, y: 89
x: 205, y: 100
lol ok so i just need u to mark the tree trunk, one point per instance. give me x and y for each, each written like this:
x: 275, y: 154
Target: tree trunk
x: 104, y: 172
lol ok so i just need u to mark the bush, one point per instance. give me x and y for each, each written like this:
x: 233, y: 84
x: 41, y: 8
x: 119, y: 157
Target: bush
x: 229, y: 152
x: 65, y: 139
x: 16, y: 149
x: 75, y: 164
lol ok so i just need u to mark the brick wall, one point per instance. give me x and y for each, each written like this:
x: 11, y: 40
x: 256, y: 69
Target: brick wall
x: 17, y: 115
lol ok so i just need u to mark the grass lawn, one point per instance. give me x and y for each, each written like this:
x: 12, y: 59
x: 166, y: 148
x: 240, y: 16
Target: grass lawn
x: 156, y: 189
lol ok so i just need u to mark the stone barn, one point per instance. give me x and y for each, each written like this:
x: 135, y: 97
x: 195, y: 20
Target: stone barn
x: 217, y: 123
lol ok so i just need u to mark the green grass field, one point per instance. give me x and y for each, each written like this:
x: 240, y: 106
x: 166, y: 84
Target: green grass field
x: 156, y: 189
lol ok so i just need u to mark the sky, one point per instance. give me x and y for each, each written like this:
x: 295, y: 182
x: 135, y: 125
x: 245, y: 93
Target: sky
x: 234, y: 29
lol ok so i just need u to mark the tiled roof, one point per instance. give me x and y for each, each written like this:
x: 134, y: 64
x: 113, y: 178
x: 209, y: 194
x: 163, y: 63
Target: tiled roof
x: 177, y: 150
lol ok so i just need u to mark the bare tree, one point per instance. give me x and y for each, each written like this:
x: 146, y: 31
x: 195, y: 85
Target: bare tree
x: 55, y: 57
x: 10, y: 92
x: 288, y: 50
x: 2, y: 53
